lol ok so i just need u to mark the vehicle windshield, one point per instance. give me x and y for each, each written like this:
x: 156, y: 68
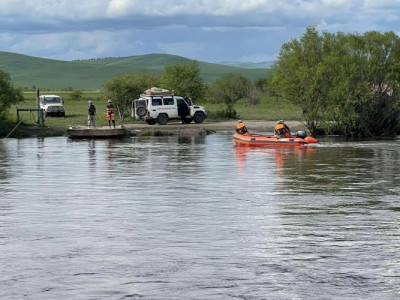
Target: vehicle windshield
x: 53, y: 100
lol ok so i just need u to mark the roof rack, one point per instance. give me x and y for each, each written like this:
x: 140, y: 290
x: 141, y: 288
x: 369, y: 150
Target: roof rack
x: 155, y: 91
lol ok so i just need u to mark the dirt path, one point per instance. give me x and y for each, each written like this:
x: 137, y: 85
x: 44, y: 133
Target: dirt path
x: 182, y: 129
x: 172, y: 128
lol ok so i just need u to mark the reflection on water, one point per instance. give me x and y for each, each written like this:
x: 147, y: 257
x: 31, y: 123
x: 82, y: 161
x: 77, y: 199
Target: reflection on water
x: 361, y: 168
x: 198, y: 218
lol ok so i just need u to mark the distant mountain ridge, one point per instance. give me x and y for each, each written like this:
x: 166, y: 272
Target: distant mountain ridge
x: 28, y: 71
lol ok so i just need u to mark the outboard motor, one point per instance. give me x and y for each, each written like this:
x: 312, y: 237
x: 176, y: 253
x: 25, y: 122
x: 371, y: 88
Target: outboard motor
x: 301, y: 134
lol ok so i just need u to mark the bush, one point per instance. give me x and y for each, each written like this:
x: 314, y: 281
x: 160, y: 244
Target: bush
x: 224, y: 114
x: 76, y: 95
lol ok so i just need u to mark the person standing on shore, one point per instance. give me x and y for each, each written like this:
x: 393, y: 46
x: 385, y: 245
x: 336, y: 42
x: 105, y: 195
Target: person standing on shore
x: 110, y: 113
x: 91, y: 114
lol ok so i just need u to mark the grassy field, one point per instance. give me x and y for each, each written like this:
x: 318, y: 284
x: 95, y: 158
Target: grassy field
x: 269, y: 109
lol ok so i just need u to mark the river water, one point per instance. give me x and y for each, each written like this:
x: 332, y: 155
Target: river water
x: 198, y: 218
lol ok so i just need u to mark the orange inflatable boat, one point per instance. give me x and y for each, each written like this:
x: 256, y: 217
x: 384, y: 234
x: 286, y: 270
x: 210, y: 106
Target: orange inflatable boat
x: 249, y: 139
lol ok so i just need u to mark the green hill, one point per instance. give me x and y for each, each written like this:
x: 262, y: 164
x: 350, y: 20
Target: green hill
x: 28, y: 72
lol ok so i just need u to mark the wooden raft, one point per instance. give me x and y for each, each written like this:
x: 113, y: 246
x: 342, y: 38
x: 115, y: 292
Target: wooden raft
x: 97, y: 132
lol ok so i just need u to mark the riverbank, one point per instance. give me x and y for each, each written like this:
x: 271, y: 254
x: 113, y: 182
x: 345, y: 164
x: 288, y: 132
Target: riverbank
x: 206, y: 127
x: 172, y: 128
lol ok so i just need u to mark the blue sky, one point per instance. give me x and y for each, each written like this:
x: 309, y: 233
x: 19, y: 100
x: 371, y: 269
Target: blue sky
x: 206, y: 30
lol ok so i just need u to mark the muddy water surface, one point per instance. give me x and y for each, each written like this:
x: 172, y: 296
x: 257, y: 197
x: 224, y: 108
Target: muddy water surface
x: 198, y: 218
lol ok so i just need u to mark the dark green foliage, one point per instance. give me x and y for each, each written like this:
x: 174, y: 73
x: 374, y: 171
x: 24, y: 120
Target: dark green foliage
x: 6, y: 127
x: 344, y: 83
x: 223, y: 114
x: 261, y: 83
x: 123, y: 89
x: 9, y: 95
x: 228, y: 90
x: 76, y: 95
x: 184, y: 80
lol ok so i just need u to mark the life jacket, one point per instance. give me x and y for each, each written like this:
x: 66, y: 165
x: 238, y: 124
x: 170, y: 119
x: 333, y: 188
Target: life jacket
x: 282, y: 129
x: 241, y: 128
x: 110, y: 110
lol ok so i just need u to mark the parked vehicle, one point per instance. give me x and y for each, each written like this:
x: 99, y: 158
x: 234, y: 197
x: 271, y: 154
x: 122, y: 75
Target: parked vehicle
x: 160, y: 106
x: 52, y: 105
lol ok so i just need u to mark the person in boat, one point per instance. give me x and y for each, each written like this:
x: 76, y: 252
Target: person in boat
x: 282, y: 130
x: 110, y: 113
x: 241, y: 128
x: 91, y: 114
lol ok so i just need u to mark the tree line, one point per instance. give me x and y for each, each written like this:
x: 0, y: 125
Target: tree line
x: 344, y: 83
x: 184, y: 80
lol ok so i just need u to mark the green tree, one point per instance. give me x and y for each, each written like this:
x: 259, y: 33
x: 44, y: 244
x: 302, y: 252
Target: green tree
x: 297, y: 75
x: 261, y: 83
x: 184, y: 80
x: 379, y: 114
x: 76, y: 95
x: 362, y: 89
x: 343, y: 83
x: 123, y: 89
x: 9, y: 95
x: 229, y: 89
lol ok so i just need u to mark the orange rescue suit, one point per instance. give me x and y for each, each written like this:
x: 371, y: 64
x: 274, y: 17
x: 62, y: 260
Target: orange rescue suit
x: 110, y: 113
x: 241, y: 128
x: 282, y: 130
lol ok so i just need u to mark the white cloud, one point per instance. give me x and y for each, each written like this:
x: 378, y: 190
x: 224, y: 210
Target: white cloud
x: 74, y: 45
x: 198, y: 13
x: 225, y: 8
x: 89, y: 9
x: 117, y: 8
x: 192, y: 7
x: 384, y: 4
x: 51, y: 9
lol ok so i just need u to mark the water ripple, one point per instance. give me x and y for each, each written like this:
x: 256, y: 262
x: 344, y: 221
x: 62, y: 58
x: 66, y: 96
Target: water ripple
x: 198, y: 218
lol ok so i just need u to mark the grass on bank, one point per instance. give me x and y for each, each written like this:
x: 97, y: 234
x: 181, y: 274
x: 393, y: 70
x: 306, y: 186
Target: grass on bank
x: 269, y: 109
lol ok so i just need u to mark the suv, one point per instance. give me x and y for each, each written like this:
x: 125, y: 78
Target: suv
x: 52, y: 105
x: 164, y: 106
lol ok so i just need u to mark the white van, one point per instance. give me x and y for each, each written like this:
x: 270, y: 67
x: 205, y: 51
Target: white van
x: 52, y: 105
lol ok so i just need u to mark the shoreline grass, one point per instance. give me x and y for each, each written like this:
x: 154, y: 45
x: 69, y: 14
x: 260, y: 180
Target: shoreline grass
x: 269, y: 109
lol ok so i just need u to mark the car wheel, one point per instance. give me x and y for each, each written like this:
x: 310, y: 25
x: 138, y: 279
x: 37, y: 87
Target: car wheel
x: 162, y: 119
x: 141, y: 111
x: 198, y: 117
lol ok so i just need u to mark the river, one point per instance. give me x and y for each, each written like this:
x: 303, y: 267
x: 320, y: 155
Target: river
x: 198, y: 218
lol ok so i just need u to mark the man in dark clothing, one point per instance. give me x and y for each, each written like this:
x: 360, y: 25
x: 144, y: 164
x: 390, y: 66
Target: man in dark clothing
x: 91, y: 115
x: 183, y: 110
